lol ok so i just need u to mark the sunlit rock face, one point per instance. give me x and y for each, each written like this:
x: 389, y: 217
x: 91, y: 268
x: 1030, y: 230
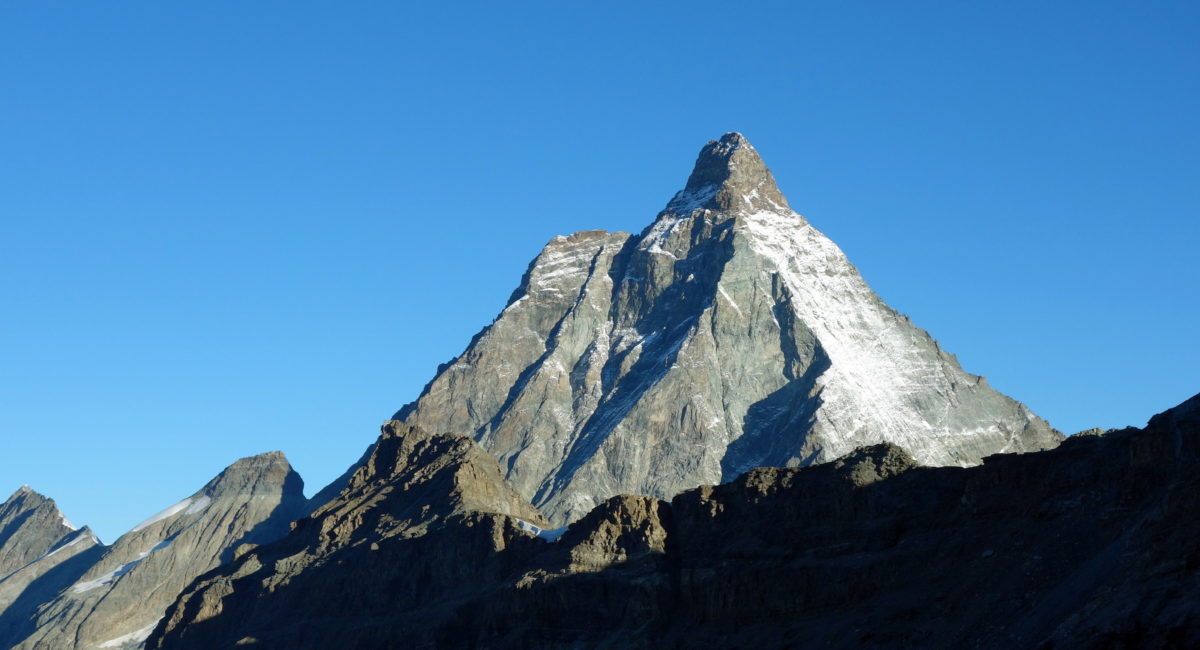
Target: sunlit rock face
x: 112, y: 597
x: 729, y: 334
x: 41, y: 552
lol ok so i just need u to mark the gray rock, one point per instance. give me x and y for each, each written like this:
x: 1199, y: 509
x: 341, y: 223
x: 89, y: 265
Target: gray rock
x: 729, y: 334
x: 41, y: 553
x: 31, y: 525
x: 1094, y: 544
x: 123, y: 593
x: 418, y: 525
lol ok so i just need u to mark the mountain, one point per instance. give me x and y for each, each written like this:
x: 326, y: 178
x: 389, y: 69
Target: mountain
x: 41, y: 552
x: 30, y: 526
x: 116, y: 598
x: 729, y: 334
x: 1092, y: 544
x: 416, y: 529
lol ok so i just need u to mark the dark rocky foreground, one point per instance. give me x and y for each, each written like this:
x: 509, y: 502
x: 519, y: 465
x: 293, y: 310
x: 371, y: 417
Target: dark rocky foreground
x: 1093, y: 544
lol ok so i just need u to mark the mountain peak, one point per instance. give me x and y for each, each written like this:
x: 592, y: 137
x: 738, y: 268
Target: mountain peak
x: 25, y: 490
x: 261, y: 474
x: 729, y: 334
x: 729, y: 174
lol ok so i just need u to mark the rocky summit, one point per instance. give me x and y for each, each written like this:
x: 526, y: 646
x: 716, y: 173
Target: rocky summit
x: 112, y: 597
x: 729, y: 334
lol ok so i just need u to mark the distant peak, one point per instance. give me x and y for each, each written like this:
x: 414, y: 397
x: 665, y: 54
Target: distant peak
x: 264, y: 474
x: 729, y: 175
x: 27, y: 492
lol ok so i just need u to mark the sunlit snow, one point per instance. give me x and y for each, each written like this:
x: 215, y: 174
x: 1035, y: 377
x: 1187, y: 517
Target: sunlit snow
x: 133, y: 637
x: 550, y: 535
x: 169, y: 512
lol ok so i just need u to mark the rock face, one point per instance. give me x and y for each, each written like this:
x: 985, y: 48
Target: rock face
x: 41, y: 552
x: 729, y: 334
x: 118, y: 597
x: 1092, y: 544
x: 419, y: 527
x: 30, y: 526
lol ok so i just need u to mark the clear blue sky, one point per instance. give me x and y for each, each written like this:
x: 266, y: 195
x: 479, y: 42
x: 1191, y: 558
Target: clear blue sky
x: 232, y: 227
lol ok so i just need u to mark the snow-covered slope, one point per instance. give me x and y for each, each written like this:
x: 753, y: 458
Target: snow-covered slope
x: 729, y: 334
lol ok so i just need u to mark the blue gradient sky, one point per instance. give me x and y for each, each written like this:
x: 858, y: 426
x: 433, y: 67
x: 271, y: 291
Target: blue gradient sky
x: 232, y: 227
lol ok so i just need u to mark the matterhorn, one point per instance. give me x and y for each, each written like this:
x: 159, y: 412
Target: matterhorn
x: 729, y: 334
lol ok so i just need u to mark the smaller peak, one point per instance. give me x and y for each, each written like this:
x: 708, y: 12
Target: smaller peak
x: 262, y: 473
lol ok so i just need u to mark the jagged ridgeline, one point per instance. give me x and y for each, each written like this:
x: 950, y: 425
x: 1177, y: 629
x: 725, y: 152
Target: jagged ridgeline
x: 61, y: 589
x: 729, y: 334
x: 1090, y: 545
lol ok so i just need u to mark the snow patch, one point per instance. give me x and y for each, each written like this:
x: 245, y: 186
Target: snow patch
x: 157, y: 547
x: 198, y: 505
x: 169, y: 512
x: 111, y: 576
x: 66, y: 522
x: 550, y: 535
x: 137, y: 636
x: 78, y: 538
x: 106, y: 579
x: 733, y: 304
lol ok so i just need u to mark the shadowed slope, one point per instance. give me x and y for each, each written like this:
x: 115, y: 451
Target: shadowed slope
x: 1092, y: 544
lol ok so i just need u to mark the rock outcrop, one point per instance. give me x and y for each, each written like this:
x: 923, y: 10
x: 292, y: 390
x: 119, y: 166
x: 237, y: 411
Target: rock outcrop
x: 121, y: 593
x: 1092, y: 544
x: 729, y: 334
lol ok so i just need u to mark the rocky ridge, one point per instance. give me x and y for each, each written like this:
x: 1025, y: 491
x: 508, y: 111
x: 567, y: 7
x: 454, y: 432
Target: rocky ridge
x: 31, y: 525
x: 416, y: 530
x: 729, y: 334
x: 113, y: 596
x: 41, y: 553
x: 1091, y: 544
